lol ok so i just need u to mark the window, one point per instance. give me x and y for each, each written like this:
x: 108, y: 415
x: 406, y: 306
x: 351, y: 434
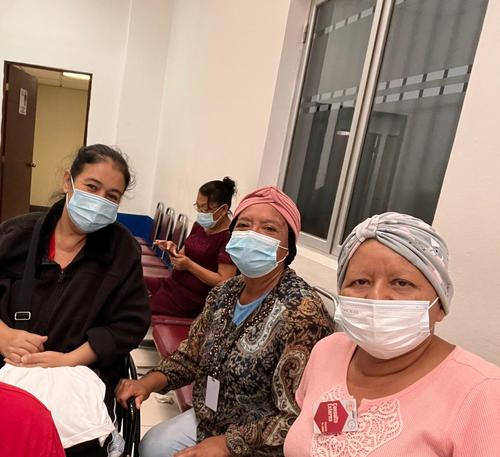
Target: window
x: 383, y: 87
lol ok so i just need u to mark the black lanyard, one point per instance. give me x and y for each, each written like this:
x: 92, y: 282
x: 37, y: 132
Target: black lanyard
x: 22, y: 302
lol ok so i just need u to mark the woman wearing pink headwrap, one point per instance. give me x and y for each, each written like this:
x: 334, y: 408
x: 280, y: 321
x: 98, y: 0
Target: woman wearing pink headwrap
x: 247, y: 350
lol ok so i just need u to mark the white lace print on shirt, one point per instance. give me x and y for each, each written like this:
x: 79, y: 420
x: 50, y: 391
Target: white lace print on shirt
x: 377, y: 426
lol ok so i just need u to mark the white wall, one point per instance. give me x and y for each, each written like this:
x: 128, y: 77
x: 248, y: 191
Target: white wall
x: 214, y: 88
x: 82, y: 35
x: 123, y: 44
x: 286, y: 88
x: 220, y: 79
x: 141, y: 96
x: 468, y: 210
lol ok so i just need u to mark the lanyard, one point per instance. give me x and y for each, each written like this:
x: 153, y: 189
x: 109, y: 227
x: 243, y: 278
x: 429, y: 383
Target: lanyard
x: 228, y: 334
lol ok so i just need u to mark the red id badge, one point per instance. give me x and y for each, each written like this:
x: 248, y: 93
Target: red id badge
x: 337, y: 416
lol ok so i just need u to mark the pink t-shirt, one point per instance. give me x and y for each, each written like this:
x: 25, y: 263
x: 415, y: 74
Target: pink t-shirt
x: 453, y: 411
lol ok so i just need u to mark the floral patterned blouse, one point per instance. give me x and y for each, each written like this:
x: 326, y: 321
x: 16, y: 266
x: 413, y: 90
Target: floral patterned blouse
x: 259, y: 363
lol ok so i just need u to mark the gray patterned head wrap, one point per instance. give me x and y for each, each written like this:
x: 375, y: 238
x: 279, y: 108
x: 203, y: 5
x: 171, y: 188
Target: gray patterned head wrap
x: 411, y: 238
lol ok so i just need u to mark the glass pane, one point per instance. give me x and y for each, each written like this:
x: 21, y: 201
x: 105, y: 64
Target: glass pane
x: 331, y: 82
x: 421, y: 88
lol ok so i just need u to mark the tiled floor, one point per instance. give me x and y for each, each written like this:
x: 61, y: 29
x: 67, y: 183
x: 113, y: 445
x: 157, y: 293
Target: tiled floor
x: 157, y: 408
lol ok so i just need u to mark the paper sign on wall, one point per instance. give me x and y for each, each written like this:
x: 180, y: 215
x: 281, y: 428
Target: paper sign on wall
x: 23, y: 101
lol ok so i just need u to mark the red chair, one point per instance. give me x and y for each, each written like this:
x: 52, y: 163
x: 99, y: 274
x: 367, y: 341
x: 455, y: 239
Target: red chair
x: 168, y: 333
x: 152, y: 261
x: 184, y: 397
x: 165, y: 319
x: 167, y: 337
x: 156, y: 272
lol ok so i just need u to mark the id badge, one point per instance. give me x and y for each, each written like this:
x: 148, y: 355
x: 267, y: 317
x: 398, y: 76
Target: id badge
x: 334, y: 417
x: 212, y: 393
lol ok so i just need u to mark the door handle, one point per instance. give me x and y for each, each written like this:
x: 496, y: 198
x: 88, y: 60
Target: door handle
x: 31, y: 164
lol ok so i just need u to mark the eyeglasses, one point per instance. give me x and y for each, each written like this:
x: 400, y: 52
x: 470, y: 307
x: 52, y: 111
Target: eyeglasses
x: 204, y: 209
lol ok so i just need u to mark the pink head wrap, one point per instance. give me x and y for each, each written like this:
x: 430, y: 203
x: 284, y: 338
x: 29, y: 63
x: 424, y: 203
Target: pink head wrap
x: 280, y: 201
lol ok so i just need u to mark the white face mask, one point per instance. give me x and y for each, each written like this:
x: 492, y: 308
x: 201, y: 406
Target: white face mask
x: 385, y: 328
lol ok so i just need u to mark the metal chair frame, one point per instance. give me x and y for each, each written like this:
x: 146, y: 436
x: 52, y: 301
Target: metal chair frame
x: 129, y: 420
x: 157, y: 219
x: 329, y: 296
x: 181, y: 228
x: 179, y: 234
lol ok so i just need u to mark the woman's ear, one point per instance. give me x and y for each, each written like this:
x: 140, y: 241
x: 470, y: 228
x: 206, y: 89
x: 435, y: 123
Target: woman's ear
x: 440, y: 312
x: 222, y: 209
x: 437, y: 314
x: 67, y: 186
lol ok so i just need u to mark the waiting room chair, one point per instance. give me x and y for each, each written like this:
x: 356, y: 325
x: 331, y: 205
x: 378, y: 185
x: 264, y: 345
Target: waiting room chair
x: 153, y: 256
x: 164, y: 232
x: 180, y: 231
x: 156, y: 272
x: 168, y: 333
x: 154, y: 269
x: 154, y: 227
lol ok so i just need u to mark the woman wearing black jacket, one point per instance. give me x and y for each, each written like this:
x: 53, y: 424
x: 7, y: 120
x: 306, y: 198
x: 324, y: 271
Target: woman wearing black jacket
x: 87, y: 303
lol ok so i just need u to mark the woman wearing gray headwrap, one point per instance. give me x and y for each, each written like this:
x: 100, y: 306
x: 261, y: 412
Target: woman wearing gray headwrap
x: 387, y: 385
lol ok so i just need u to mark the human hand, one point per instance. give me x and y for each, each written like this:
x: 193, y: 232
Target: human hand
x: 128, y: 388
x: 181, y: 262
x: 16, y: 343
x: 168, y: 246
x: 215, y: 446
x: 46, y: 359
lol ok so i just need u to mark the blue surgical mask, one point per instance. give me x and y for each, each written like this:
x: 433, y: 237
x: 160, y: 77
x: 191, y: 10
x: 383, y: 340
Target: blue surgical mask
x: 253, y: 254
x: 90, y: 212
x: 206, y: 220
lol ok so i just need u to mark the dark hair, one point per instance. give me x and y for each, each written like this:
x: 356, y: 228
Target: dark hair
x: 292, y: 246
x: 220, y: 192
x: 96, y: 153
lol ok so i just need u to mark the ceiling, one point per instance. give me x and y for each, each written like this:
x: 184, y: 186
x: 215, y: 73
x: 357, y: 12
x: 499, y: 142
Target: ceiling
x: 55, y: 78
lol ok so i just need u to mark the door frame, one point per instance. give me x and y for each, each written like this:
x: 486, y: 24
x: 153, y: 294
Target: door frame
x: 41, y: 67
x: 4, y: 104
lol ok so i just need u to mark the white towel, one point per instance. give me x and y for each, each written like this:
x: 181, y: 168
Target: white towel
x: 74, y: 396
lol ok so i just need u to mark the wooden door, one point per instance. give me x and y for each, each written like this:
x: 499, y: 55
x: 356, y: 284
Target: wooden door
x: 17, y: 143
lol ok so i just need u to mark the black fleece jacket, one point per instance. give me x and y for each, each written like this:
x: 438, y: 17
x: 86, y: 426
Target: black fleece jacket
x: 100, y: 297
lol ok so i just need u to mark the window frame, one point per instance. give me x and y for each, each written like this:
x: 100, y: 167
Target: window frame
x: 362, y: 109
